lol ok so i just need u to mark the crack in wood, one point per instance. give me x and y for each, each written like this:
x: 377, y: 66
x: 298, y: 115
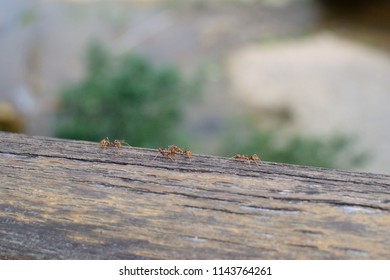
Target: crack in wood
x: 215, y: 209
x: 305, y: 246
x: 272, y: 209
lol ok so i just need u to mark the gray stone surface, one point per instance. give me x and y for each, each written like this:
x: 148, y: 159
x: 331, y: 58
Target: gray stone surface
x: 330, y: 84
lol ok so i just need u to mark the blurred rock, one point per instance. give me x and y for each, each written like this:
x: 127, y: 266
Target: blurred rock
x: 329, y: 85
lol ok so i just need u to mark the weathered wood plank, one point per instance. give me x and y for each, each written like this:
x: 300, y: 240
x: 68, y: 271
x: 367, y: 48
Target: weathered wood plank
x: 63, y: 199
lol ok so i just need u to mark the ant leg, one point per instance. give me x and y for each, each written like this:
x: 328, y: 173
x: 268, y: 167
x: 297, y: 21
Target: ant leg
x: 158, y: 153
x: 163, y: 153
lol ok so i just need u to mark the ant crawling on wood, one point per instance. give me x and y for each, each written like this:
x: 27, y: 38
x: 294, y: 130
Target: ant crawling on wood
x: 105, y: 142
x: 187, y: 153
x: 116, y: 143
x: 164, y: 153
x: 119, y: 143
x: 253, y: 157
x: 172, y: 150
x: 176, y: 150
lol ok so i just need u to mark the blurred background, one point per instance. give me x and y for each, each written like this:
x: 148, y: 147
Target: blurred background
x: 296, y: 81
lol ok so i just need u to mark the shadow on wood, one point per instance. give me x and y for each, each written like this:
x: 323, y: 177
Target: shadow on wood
x: 62, y: 199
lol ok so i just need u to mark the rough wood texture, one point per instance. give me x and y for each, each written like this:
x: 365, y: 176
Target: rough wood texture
x: 64, y: 199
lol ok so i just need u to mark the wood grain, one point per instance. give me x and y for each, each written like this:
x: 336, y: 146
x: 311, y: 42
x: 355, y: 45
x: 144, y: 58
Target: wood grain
x: 62, y: 199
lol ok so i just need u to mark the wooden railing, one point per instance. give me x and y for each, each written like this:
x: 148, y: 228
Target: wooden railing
x: 62, y: 199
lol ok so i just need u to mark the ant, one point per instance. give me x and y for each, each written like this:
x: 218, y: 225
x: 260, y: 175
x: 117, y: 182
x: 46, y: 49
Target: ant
x: 116, y: 143
x: 253, y: 157
x: 172, y: 150
x: 187, y: 153
x: 105, y: 142
x: 119, y: 143
x: 164, y: 153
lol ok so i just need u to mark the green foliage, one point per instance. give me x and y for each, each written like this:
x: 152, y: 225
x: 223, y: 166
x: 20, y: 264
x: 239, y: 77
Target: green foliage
x: 332, y: 152
x: 124, y: 98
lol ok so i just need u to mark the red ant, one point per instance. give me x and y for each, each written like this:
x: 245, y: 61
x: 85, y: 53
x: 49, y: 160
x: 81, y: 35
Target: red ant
x: 187, y: 153
x: 172, y: 150
x: 164, y: 153
x: 105, y: 142
x: 253, y: 157
x: 116, y: 143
